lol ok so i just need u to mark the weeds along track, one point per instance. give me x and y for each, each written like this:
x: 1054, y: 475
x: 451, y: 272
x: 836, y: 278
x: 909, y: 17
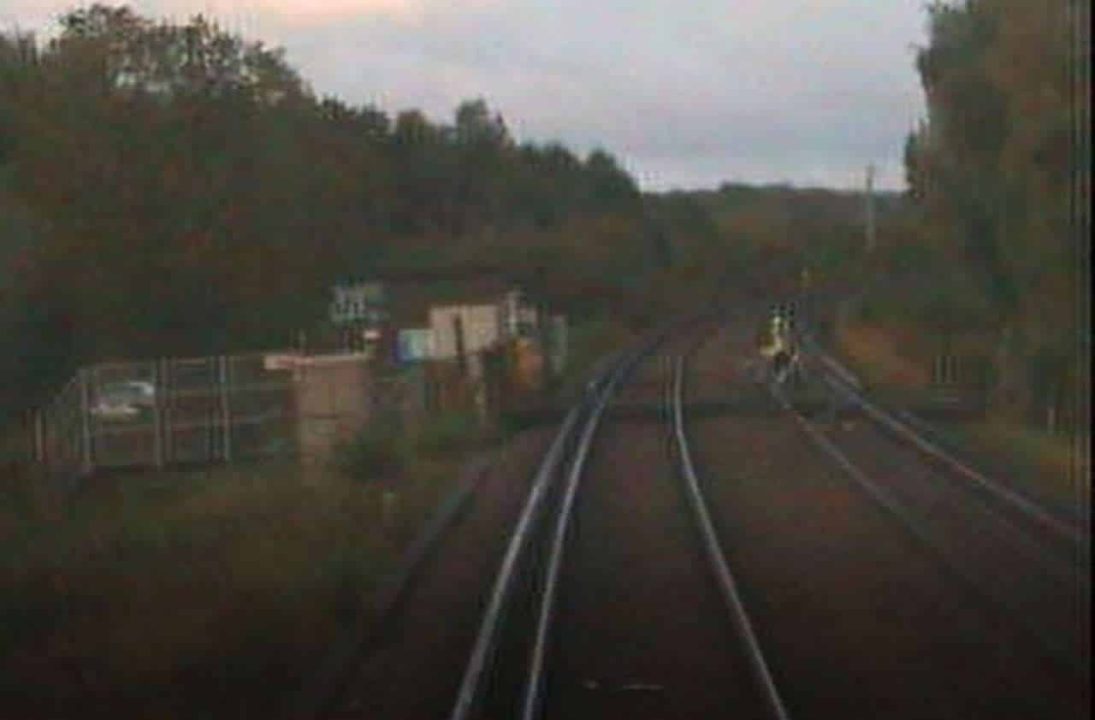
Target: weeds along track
x: 624, y: 606
x: 1019, y: 557
x: 401, y: 657
x: 858, y: 615
x: 1061, y: 532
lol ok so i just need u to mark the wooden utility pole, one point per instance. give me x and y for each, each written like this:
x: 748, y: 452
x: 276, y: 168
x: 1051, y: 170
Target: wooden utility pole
x: 86, y: 456
x: 870, y: 209
x: 458, y: 336
x: 543, y: 328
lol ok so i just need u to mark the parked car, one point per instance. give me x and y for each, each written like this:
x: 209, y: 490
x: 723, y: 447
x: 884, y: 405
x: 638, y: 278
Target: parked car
x: 124, y: 400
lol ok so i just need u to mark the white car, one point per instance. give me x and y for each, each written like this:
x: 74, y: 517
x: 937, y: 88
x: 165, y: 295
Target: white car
x: 124, y: 400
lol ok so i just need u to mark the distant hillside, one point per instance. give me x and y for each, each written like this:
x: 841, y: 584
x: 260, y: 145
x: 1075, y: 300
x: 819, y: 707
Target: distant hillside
x: 802, y: 208
x: 784, y: 228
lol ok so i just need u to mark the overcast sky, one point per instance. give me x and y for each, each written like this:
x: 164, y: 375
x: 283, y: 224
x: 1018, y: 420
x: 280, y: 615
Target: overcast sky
x: 685, y: 93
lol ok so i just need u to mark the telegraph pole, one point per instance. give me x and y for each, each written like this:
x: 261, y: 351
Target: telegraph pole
x: 870, y: 209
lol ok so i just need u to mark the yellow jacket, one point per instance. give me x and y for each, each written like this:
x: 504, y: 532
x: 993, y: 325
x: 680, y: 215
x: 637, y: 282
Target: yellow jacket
x: 778, y: 342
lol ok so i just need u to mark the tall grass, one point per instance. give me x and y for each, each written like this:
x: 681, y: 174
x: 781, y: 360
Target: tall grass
x: 191, y: 594
x: 384, y: 451
x: 1043, y: 464
x: 590, y: 342
x: 881, y: 356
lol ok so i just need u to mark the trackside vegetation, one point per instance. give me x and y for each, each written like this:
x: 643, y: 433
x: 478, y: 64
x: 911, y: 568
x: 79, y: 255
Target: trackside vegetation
x: 172, y: 189
x: 998, y: 175
x: 204, y: 593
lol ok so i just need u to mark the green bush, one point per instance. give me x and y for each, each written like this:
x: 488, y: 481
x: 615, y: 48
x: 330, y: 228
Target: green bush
x: 590, y: 342
x: 514, y: 422
x: 387, y: 450
x: 447, y: 433
x: 377, y: 451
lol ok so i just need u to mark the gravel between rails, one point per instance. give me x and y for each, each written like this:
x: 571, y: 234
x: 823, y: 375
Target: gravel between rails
x: 1050, y: 593
x: 642, y: 632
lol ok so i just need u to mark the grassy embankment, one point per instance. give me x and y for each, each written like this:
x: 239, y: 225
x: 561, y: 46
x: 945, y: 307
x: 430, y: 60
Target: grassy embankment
x: 591, y: 342
x: 1046, y: 465
x: 212, y: 592
x: 198, y: 593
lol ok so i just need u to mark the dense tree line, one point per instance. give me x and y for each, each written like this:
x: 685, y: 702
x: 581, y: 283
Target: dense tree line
x: 999, y: 172
x: 172, y: 189
x: 788, y: 235
x: 175, y: 189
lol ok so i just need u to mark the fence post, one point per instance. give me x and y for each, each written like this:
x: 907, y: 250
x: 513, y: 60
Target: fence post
x: 157, y: 420
x: 458, y: 335
x: 166, y: 418
x: 39, y: 430
x: 85, y: 423
x: 226, y: 427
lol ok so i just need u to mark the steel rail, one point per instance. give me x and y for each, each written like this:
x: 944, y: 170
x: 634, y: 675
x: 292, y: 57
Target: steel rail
x: 532, y: 701
x: 471, y: 684
x: 717, y: 558
x: 594, y: 398
x: 891, y: 505
x: 1023, y: 505
x: 1061, y: 569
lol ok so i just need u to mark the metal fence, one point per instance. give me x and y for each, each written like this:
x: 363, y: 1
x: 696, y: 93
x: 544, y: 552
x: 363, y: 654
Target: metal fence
x: 166, y: 412
x: 189, y: 411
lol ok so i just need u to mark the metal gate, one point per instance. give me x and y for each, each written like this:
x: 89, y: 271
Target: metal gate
x: 166, y: 412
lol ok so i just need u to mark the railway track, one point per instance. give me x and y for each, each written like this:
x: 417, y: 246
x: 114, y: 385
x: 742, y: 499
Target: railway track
x: 613, y: 595
x: 863, y: 612
x: 966, y: 518
x: 1047, y: 526
x: 631, y: 609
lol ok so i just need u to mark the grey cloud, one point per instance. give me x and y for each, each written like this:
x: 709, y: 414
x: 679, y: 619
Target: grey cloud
x: 771, y: 91
x: 684, y: 93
